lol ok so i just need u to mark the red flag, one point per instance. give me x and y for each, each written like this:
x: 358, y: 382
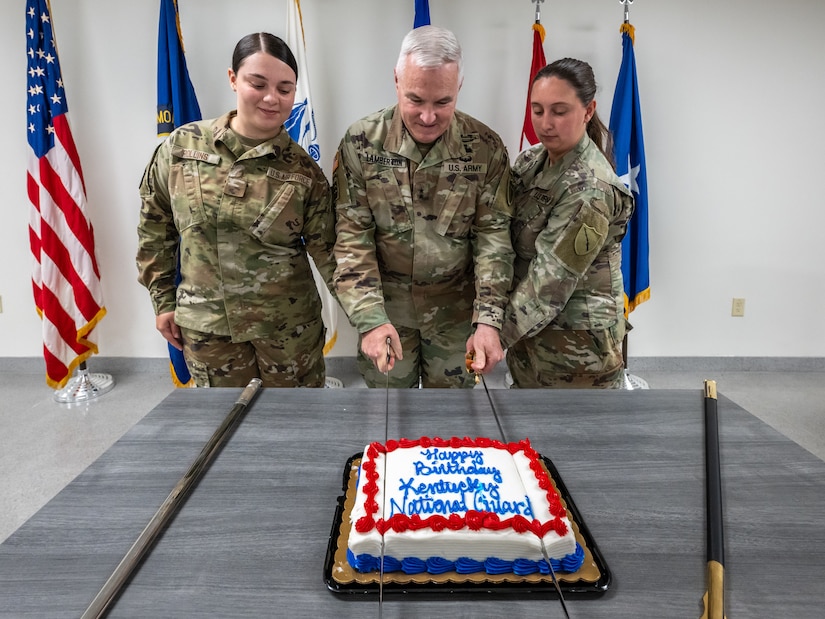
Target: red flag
x: 65, y: 279
x: 538, y: 63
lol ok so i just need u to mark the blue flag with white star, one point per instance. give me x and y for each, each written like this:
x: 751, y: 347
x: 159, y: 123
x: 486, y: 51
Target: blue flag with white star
x: 629, y: 152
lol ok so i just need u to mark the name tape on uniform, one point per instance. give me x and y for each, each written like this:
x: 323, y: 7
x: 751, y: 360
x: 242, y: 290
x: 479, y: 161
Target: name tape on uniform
x: 388, y: 162
x: 189, y: 153
x: 289, y: 177
x: 461, y: 167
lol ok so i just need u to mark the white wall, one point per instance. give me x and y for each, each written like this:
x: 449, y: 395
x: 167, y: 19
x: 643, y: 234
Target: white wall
x: 731, y: 96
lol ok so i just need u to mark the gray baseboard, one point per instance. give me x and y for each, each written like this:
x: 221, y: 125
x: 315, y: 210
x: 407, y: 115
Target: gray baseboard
x: 345, y: 365
x: 107, y: 365
x: 726, y: 364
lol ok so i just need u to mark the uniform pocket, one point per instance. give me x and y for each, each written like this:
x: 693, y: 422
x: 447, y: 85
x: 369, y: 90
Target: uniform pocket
x: 281, y: 220
x: 391, y: 213
x: 457, y: 209
x: 185, y: 194
x: 199, y: 372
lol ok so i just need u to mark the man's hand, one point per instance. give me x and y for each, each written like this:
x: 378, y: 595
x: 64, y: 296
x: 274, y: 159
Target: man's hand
x: 486, y: 347
x: 165, y: 323
x: 374, y: 346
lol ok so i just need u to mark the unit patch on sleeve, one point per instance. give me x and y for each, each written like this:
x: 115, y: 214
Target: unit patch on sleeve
x: 587, y: 240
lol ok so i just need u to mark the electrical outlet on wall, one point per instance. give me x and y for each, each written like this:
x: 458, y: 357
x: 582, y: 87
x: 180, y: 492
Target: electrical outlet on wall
x: 737, y: 307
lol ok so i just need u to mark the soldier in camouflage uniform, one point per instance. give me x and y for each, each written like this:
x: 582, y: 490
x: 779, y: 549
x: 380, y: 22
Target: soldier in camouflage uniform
x: 246, y: 204
x: 423, y: 248
x: 565, y: 322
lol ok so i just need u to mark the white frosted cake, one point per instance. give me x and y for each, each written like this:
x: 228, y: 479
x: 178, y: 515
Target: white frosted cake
x: 464, y: 505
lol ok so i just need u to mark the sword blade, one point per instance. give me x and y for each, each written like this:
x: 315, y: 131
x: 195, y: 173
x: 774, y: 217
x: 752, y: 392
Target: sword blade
x: 555, y: 580
x: 493, y: 407
x: 543, y: 549
x: 384, y: 478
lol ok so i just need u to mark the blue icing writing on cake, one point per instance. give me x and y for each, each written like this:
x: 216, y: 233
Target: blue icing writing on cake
x: 464, y: 505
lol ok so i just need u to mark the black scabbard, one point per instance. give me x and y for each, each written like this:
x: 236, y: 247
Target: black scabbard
x: 715, y: 601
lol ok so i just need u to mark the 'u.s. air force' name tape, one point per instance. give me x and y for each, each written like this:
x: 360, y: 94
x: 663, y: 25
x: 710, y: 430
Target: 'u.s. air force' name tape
x: 289, y: 177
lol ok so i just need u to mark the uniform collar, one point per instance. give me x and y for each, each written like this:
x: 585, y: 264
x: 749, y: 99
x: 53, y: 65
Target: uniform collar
x: 222, y: 132
x: 400, y: 142
x: 545, y: 181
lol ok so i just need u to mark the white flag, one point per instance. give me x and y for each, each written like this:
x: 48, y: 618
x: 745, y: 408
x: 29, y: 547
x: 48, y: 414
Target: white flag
x: 301, y: 127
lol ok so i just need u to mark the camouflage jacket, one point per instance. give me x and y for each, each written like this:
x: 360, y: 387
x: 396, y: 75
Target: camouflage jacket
x: 245, y: 220
x: 422, y: 240
x: 569, y: 221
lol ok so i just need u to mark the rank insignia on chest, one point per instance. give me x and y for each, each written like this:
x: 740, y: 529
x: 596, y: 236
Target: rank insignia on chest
x: 235, y: 187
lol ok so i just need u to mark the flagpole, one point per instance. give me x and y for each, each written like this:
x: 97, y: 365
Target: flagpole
x: 626, y: 4
x: 84, y: 386
x: 65, y: 277
x: 538, y: 10
x: 631, y: 381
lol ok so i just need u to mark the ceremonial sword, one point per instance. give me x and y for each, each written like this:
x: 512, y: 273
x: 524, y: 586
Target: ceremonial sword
x: 384, y: 478
x: 478, y: 376
x: 100, y: 605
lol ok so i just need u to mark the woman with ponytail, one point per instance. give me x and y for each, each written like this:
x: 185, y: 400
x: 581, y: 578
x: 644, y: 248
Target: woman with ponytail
x: 564, y: 324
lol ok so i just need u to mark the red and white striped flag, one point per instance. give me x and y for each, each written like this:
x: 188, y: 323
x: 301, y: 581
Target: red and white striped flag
x: 65, y: 279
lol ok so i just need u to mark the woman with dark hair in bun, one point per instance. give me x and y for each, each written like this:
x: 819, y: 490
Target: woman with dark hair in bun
x: 240, y: 204
x: 564, y: 324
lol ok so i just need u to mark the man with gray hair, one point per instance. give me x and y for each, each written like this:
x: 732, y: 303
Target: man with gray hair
x: 423, y: 250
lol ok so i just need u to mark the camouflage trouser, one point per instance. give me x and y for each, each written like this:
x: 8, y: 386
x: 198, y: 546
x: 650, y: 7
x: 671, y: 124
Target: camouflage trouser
x: 436, y: 358
x: 568, y: 359
x: 292, y: 359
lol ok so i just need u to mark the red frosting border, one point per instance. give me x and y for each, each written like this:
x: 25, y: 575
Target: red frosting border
x: 473, y: 519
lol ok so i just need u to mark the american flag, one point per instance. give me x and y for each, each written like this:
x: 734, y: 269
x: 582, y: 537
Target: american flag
x: 65, y: 279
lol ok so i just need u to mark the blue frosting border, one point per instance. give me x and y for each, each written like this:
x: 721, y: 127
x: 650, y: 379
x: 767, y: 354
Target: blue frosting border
x: 439, y: 565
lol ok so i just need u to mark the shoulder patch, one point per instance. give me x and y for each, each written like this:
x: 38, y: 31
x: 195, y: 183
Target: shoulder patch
x: 587, y: 240
x: 582, y: 240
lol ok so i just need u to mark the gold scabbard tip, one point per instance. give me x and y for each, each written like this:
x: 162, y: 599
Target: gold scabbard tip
x: 710, y: 389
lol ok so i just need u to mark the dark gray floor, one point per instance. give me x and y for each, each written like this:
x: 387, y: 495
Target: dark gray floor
x: 45, y: 444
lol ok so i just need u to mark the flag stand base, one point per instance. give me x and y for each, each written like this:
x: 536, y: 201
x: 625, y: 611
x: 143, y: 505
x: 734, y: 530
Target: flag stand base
x: 632, y: 382
x: 84, y: 386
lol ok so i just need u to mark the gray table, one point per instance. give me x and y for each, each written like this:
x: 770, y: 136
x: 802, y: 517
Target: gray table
x: 252, y: 538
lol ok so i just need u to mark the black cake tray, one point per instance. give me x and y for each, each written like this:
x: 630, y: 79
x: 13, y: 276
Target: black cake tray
x: 545, y: 588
